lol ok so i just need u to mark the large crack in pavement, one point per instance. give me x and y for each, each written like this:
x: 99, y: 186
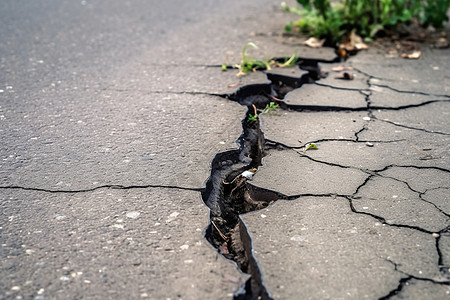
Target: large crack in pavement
x: 228, y: 194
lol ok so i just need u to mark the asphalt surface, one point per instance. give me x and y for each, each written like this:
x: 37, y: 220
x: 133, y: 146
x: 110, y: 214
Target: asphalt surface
x: 109, y: 127
x: 92, y: 96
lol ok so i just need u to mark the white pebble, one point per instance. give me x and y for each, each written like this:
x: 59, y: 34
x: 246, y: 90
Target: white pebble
x: 133, y: 214
x: 297, y: 238
x: 172, y: 217
x: 120, y: 226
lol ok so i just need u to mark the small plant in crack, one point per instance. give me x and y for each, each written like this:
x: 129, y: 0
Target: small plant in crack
x: 290, y: 61
x: 270, y: 108
x: 248, y: 64
x: 225, y: 62
x: 252, y: 117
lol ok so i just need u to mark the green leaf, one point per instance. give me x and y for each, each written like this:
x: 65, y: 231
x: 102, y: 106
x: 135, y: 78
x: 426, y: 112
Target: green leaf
x: 310, y: 146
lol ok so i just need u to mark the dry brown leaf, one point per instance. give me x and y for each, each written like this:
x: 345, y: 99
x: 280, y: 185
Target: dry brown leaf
x: 413, y: 55
x: 361, y: 46
x: 341, y: 68
x: 234, y: 84
x: 353, y: 42
x: 314, y: 42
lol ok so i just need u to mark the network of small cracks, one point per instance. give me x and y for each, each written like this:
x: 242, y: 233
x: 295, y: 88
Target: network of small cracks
x: 405, y: 281
x: 369, y: 108
x: 372, y: 173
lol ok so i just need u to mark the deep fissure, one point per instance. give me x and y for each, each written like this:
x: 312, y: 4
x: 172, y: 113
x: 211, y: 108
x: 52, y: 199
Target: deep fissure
x: 228, y: 194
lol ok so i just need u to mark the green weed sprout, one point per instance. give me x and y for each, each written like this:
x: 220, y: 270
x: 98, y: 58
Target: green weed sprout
x: 249, y: 64
x: 292, y: 61
x: 252, y: 118
x: 272, y: 106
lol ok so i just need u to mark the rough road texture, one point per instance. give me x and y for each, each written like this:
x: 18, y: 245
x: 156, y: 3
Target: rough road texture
x: 374, y: 219
x: 108, y: 133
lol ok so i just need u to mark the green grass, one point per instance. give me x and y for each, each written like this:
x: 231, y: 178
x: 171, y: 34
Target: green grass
x: 321, y: 19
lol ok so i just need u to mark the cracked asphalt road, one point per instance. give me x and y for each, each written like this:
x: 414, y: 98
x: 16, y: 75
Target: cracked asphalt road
x: 109, y: 124
x: 363, y: 226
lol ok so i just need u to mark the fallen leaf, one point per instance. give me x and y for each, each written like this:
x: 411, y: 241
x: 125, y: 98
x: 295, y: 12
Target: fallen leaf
x: 413, y: 55
x: 341, y: 68
x: 310, y: 146
x: 234, y: 84
x: 361, y: 46
x: 314, y: 42
x: 353, y: 42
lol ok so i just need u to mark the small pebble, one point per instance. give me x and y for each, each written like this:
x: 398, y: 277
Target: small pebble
x: 184, y: 247
x: 435, y: 235
x: 368, y: 144
x: 297, y: 238
x: 366, y: 118
x: 120, y: 226
x: 60, y: 218
x: 133, y: 214
x: 172, y: 217
x: 15, y: 288
x: 263, y: 216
